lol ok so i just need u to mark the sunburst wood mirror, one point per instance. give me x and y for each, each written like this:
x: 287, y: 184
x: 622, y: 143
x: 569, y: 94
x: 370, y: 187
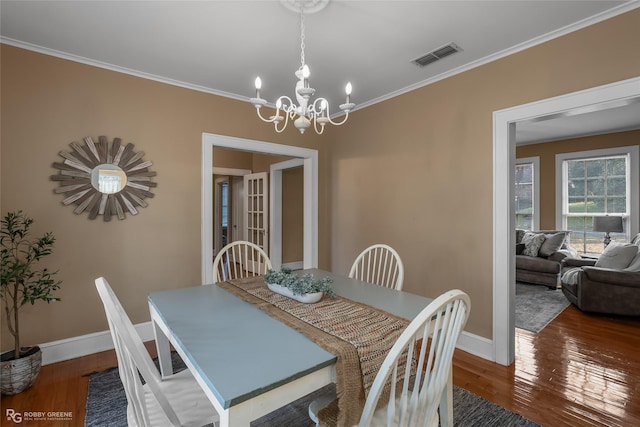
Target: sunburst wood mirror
x: 105, y: 178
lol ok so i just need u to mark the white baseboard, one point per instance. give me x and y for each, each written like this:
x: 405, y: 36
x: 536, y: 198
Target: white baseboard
x: 476, y: 345
x: 70, y: 348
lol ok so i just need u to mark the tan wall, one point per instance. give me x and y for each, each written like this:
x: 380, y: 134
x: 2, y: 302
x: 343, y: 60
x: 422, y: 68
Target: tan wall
x: 547, y: 153
x: 263, y: 162
x: 233, y: 159
x: 49, y: 102
x: 416, y: 171
x: 292, y: 215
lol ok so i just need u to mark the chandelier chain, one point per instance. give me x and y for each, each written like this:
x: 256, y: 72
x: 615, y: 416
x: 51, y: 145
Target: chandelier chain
x: 301, y: 35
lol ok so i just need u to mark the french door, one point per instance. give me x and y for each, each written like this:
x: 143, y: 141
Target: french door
x: 256, y: 210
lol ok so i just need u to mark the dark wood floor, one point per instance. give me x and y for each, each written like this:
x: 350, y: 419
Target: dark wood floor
x: 581, y: 370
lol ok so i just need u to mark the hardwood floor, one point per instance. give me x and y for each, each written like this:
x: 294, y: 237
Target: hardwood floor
x: 581, y: 370
x: 61, y: 387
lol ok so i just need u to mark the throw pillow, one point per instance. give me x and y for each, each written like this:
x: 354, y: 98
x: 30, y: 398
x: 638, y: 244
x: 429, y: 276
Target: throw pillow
x: 552, y: 243
x: 532, y: 243
x: 617, y: 255
x: 635, y: 263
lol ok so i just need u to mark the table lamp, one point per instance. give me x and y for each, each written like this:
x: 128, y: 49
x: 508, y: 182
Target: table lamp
x: 607, y: 224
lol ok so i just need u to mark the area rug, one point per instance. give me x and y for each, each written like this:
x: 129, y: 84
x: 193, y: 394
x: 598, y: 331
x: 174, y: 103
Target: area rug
x: 107, y: 406
x: 537, y: 306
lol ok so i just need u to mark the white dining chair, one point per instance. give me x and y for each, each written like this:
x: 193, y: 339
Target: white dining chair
x: 176, y: 400
x: 428, y: 342
x: 379, y: 264
x: 240, y: 259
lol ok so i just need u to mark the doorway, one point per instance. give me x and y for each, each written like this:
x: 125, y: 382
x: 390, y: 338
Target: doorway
x: 277, y: 215
x: 228, y: 208
x: 505, y: 122
x: 222, y: 210
x: 309, y: 159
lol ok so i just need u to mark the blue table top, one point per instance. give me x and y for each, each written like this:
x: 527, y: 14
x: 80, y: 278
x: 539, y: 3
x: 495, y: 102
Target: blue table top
x: 241, y: 351
x: 402, y: 304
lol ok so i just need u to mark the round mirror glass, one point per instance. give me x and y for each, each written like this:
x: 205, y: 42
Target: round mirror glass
x: 108, y: 178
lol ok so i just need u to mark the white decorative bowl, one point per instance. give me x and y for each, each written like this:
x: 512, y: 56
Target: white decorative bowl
x: 306, y: 298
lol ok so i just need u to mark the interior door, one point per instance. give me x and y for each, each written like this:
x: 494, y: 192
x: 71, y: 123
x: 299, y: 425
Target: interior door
x: 256, y: 210
x: 237, y: 211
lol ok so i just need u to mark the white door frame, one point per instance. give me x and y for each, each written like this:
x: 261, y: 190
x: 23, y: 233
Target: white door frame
x: 310, y: 199
x: 504, y: 124
x: 275, y: 220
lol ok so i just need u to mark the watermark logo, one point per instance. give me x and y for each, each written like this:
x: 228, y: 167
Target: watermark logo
x: 18, y: 417
x: 14, y: 416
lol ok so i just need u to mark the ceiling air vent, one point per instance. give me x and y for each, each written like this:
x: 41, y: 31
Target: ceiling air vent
x: 437, y: 54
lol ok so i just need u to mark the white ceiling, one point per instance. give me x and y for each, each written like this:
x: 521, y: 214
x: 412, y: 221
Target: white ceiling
x: 221, y: 46
x: 591, y: 120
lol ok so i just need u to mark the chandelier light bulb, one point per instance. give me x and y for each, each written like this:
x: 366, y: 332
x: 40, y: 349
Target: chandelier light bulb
x: 258, y: 86
x: 305, y: 75
x: 347, y: 88
x: 324, y: 105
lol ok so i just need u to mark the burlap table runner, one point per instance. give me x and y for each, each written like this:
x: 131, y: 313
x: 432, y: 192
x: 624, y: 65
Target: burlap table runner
x: 359, y: 335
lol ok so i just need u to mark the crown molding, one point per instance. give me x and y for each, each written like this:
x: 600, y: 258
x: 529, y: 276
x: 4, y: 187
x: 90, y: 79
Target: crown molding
x: 626, y: 7
x: 117, y: 68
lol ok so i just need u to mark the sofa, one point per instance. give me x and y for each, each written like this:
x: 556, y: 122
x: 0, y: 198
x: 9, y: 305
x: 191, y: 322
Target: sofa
x: 539, y: 255
x: 609, y: 285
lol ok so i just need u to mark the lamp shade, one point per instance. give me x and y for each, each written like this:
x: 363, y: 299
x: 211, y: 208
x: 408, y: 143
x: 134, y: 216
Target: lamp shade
x: 607, y: 224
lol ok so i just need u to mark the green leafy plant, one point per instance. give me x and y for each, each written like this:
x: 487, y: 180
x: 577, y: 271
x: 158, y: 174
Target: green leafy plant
x: 22, y: 283
x: 299, y: 285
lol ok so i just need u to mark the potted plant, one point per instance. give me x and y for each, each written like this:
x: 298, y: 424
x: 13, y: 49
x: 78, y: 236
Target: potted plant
x: 22, y: 283
x: 303, y: 288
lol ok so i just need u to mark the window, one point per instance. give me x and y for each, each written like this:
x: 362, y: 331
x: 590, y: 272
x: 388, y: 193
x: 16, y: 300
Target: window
x: 225, y: 203
x: 526, y: 193
x: 596, y: 183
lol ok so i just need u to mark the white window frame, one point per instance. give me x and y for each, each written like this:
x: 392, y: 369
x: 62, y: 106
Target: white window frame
x: 535, y: 161
x: 633, y: 183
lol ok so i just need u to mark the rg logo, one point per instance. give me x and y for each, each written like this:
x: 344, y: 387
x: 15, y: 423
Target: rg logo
x: 14, y: 416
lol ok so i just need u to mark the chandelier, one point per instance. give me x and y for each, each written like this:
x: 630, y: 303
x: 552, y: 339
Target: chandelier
x: 306, y: 110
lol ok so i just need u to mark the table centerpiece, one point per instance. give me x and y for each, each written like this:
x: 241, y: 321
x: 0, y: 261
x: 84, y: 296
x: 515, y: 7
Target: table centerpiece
x: 304, y: 288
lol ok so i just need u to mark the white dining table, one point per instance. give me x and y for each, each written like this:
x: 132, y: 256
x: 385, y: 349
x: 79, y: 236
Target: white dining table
x: 250, y: 364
